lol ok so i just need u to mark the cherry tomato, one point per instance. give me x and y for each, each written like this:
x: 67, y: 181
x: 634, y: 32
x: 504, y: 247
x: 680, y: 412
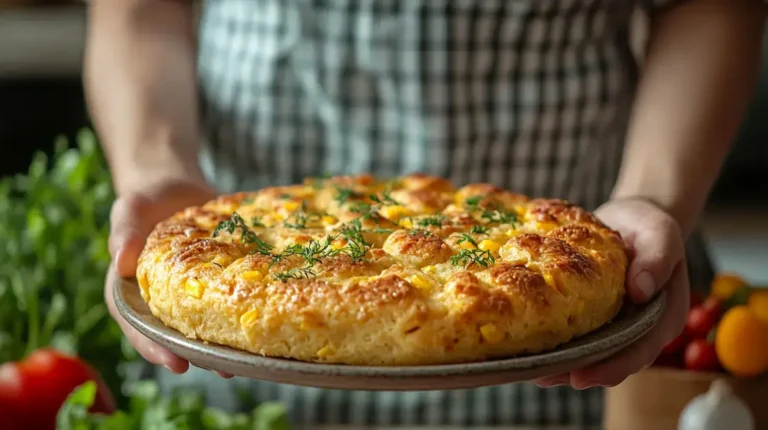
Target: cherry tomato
x: 675, y: 346
x: 699, y: 322
x: 700, y: 355
x: 713, y: 305
x: 35, y: 388
x: 697, y: 298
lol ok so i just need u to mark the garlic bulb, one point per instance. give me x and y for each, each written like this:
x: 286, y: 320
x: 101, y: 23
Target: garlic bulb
x: 717, y: 409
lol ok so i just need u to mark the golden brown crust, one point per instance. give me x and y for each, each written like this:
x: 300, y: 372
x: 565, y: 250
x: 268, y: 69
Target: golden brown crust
x: 407, y: 271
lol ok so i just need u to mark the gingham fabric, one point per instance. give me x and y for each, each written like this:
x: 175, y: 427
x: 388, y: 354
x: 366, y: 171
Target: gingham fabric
x: 531, y: 95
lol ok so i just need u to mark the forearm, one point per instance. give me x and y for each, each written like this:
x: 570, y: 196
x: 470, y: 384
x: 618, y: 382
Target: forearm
x: 140, y: 84
x: 702, y: 63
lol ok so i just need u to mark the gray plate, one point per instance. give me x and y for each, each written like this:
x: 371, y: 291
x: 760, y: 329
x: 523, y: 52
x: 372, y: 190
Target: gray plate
x: 631, y: 324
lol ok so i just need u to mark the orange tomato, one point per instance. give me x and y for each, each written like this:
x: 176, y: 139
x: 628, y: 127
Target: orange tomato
x: 741, y: 342
x: 725, y: 284
x: 758, y: 303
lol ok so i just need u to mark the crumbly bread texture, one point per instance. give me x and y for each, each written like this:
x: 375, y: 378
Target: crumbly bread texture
x: 409, y: 271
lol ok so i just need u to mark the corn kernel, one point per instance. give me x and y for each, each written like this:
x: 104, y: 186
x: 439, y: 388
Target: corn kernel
x: 466, y: 245
x: 546, y: 225
x: 406, y: 223
x: 222, y: 260
x: 394, y: 212
x: 511, y: 232
x: 249, y: 317
x: 419, y: 282
x: 143, y: 283
x: 290, y: 206
x: 328, y: 220
x: 252, y: 275
x: 302, y: 239
x: 549, y: 279
x: 194, y: 288
x: 338, y: 244
x: 429, y: 269
x: 491, y: 334
x: 324, y: 352
x: 489, y: 245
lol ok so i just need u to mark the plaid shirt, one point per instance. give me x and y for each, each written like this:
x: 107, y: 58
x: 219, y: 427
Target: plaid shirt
x: 531, y: 95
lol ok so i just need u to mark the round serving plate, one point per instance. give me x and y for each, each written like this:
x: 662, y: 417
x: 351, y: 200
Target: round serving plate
x: 628, y: 326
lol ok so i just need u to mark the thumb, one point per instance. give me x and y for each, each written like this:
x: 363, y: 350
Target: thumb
x: 128, y: 233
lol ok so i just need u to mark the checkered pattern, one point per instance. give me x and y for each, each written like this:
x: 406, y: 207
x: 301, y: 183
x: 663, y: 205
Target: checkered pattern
x: 531, y: 95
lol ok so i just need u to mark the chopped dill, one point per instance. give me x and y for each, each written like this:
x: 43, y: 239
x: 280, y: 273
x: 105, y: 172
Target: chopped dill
x: 247, y: 236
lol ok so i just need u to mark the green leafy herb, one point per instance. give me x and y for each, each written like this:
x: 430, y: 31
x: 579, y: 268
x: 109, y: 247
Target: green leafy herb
x: 436, y: 221
x: 300, y: 217
x: 247, y: 236
x: 149, y: 410
x: 54, y: 225
x: 473, y: 201
x: 478, y: 229
x: 466, y: 238
x: 473, y: 256
x: 419, y: 232
x: 313, y: 252
x: 499, y: 216
x: 356, y: 245
x: 344, y: 194
x: 385, y: 199
x: 296, y: 273
x: 256, y: 222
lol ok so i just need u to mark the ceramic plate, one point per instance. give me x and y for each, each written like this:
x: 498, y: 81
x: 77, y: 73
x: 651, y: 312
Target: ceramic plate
x: 628, y: 326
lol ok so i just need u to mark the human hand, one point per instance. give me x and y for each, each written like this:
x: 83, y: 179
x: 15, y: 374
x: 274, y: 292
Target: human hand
x: 657, y: 261
x: 134, y: 215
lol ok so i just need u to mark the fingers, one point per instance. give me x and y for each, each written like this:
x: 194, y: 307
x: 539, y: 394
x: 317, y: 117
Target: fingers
x: 642, y: 353
x: 657, y: 247
x: 128, y: 232
x: 145, y: 347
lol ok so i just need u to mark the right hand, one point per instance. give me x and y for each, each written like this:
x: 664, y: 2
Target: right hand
x: 134, y: 215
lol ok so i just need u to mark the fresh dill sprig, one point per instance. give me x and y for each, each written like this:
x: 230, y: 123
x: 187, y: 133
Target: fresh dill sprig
x: 247, y: 236
x: 473, y: 256
x: 296, y: 273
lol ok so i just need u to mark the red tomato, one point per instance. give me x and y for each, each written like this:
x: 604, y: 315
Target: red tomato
x: 700, y: 355
x: 699, y: 322
x: 697, y: 298
x: 713, y: 305
x: 35, y: 388
x: 675, y: 346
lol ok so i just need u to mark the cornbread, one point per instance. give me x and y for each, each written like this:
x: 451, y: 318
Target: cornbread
x: 407, y: 271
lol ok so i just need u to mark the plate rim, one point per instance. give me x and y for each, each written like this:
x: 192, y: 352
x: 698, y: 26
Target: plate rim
x: 651, y: 314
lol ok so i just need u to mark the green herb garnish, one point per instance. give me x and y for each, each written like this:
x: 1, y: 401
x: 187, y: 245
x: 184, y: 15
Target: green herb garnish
x: 296, y: 273
x: 436, y: 221
x: 356, y: 245
x: 300, y: 217
x: 478, y: 229
x: 469, y: 256
x: 344, y: 194
x: 247, y: 236
x: 256, y: 222
x: 466, y: 238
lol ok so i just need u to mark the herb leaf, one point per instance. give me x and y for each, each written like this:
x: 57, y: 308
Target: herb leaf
x: 247, y: 236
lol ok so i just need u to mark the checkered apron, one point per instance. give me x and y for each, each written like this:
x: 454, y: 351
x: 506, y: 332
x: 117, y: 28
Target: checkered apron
x: 531, y: 95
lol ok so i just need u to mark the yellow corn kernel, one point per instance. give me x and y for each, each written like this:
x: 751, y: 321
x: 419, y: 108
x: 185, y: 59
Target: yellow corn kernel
x: 419, y: 282
x: 511, y: 232
x: 429, y: 269
x: 222, y: 260
x: 338, y: 244
x: 491, y: 334
x: 252, y: 275
x: 489, y: 245
x: 466, y: 245
x: 290, y: 206
x: 301, y: 239
x: 549, y: 279
x: 328, y: 220
x: 406, y: 223
x: 194, y: 288
x: 324, y: 352
x: 144, y: 283
x: 249, y: 317
x: 546, y: 225
x: 394, y: 212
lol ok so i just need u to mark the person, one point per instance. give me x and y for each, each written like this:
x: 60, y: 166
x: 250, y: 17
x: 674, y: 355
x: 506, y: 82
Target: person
x: 540, y: 97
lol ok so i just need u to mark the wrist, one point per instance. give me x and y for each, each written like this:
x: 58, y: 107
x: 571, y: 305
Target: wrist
x: 148, y: 165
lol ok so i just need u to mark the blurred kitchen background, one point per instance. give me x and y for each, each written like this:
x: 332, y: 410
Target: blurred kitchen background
x: 41, y: 45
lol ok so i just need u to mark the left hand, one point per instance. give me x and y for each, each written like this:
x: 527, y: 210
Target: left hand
x: 657, y: 261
